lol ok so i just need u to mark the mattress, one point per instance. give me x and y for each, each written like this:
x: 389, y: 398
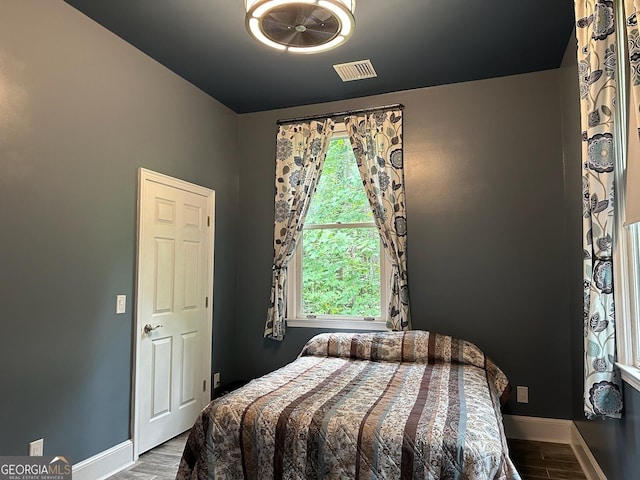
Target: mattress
x: 387, y: 405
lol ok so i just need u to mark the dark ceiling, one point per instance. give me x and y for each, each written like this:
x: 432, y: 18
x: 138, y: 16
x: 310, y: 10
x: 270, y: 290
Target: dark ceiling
x: 411, y: 43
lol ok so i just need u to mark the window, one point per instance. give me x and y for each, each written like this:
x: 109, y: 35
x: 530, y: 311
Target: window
x: 335, y: 275
x: 627, y: 241
x: 627, y: 265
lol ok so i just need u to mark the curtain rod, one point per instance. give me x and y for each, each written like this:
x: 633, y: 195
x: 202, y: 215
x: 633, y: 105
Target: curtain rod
x: 339, y: 114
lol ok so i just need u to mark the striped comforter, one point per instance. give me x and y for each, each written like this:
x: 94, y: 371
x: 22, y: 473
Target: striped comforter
x: 393, y: 405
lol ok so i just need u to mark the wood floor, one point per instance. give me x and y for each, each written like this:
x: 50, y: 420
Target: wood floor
x: 161, y: 463
x: 543, y: 460
x: 533, y: 460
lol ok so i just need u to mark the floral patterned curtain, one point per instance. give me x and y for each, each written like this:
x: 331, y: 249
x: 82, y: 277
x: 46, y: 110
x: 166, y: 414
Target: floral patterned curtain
x: 300, y: 153
x: 596, y: 35
x: 376, y: 139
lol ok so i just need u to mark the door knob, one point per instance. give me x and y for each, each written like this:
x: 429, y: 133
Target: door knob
x: 148, y: 328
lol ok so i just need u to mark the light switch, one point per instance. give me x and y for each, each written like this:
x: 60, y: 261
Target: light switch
x: 522, y: 394
x: 121, y: 303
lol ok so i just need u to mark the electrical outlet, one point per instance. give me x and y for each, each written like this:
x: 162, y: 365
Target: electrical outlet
x: 121, y: 303
x: 522, y: 394
x: 216, y: 380
x: 36, y: 448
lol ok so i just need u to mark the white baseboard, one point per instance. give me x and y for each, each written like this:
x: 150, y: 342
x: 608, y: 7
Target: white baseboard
x: 106, y: 463
x: 537, y: 429
x: 587, y: 461
x: 557, y: 431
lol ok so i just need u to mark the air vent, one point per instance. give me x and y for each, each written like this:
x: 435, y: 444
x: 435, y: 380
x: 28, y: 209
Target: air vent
x: 355, y: 70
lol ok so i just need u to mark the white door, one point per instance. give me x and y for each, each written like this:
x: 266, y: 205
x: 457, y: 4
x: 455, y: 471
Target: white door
x: 173, y: 322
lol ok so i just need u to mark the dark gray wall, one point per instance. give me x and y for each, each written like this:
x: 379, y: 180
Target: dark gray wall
x: 80, y: 111
x: 486, y: 249
x: 614, y: 443
x: 572, y: 152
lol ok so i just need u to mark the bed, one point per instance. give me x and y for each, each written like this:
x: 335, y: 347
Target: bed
x: 386, y: 405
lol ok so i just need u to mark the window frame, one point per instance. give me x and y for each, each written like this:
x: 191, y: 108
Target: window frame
x: 627, y: 296
x: 626, y: 251
x: 295, y: 317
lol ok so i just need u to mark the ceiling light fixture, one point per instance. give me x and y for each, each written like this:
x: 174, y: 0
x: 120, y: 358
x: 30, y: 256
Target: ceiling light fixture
x: 300, y: 26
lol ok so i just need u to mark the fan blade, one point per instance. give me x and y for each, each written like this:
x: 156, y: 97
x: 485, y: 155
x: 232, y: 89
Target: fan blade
x: 317, y: 38
x: 274, y: 25
x: 291, y: 14
x: 321, y: 25
x: 281, y: 16
x: 320, y: 14
x: 320, y: 30
x: 292, y: 38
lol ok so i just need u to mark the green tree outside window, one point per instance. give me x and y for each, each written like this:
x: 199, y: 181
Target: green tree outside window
x: 341, y: 245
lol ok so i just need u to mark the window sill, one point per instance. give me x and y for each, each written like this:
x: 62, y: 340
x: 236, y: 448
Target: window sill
x: 336, y: 324
x: 630, y: 374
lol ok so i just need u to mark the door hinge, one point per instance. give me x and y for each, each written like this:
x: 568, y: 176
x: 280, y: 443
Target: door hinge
x: 206, y: 302
x: 208, y: 221
x: 204, y: 385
